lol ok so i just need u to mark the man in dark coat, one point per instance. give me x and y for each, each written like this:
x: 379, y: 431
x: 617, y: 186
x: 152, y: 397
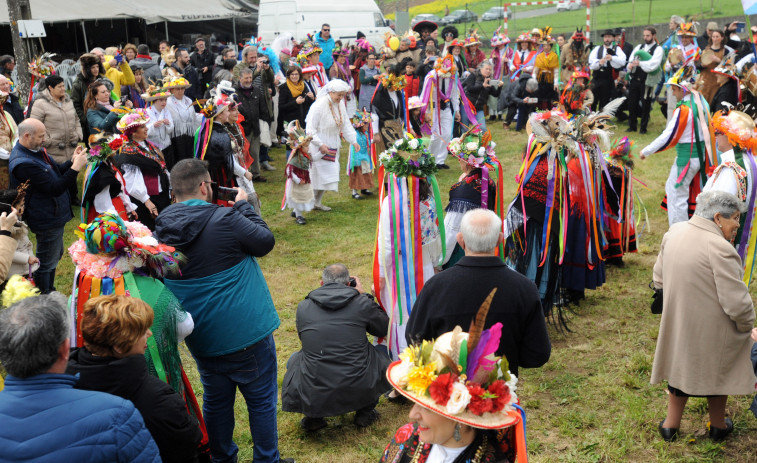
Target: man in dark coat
x: 446, y: 301
x: 253, y: 107
x: 48, y: 204
x: 338, y: 370
x: 203, y: 60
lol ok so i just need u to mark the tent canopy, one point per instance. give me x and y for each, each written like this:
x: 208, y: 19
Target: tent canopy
x: 152, y: 11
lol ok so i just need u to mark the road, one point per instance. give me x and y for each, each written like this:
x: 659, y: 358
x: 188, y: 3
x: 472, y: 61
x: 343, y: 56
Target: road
x: 533, y: 13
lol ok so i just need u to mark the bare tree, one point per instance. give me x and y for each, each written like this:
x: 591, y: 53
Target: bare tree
x: 19, y: 10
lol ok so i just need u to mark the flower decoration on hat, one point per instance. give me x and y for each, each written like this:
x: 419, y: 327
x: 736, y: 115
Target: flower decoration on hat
x: 738, y: 127
x: 472, y: 39
x: 299, y: 139
x: 103, y: 146
x: 415, y: 102
x: 475, y: 149
x: 109, y: 247
x: 409, y: 156
x: 176, y: 83
x: 445, y: 67
x: 42, y: 66
x: 393, y: 83
x: 688, y: 29
x: 683, y: 78
x: 133, y: 118
x: 341, y: 50
x: 499, y: 39
x: 459, y: 375
x: 154, y: 92
x: 361, y: 118
x: 524, y: 37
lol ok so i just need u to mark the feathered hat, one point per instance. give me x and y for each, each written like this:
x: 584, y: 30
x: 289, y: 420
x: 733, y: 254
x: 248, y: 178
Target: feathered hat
x: 109, y: 247
x: 361, y: 118
x: 683, y: 78
x: 595, y: 128
x: 620, y: 152
x: 546, y: 38
x: 341, y: 50
x: 472, y: 39
x: 460, y: 376
x: 133, y: 118
x: 687, y: 29
x: 737, y: 126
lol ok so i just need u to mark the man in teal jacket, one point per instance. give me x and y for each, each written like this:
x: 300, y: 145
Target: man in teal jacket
x: 326, y: 43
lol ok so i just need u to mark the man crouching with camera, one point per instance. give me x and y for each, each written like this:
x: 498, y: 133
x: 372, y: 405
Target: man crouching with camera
x: 337, y: 371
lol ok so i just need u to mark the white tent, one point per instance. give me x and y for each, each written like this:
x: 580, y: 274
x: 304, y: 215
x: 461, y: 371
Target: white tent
x: 152, y: 11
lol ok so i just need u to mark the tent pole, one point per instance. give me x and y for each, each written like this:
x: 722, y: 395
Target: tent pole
x: 234, y: 30
x: 166, y: 23
x: 126, y: 29
x: 84, y: 31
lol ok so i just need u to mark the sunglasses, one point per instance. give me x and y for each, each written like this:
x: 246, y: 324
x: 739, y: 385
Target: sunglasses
x: 265, y: 62
x: 326, y: 30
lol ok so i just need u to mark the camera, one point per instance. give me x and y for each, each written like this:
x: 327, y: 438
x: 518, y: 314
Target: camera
x: 353, y: 282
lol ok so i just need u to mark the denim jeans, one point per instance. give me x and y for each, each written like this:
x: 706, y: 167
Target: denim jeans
x: 49, y: 252
x: 254, y: 372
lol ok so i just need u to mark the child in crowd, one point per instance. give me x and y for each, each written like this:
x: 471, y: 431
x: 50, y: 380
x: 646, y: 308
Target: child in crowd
x: 360, y: 165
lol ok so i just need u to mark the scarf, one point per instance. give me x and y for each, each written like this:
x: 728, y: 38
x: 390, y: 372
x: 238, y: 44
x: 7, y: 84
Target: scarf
x: 296, y: 89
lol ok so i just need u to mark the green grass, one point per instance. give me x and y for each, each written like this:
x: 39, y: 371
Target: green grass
x: 592, y: 402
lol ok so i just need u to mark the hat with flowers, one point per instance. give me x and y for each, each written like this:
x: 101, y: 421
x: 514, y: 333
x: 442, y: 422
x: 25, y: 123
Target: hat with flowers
x: 524, y: 37
x: 688, y: 29
x: 620, y: 153
x: 445, y: 67
x: 409, y: 156
x: 393, y: 82
x: 472, y: 39
x: 415, y: 102
x: 176, y: 83
x: 102, y: 146
x: 738, y: 126
x: 459, y: 375
x: 499, y: 39
x: 154, y: 92
x: 133, y: 118
x: 475, y: 149
x: 361, y: 118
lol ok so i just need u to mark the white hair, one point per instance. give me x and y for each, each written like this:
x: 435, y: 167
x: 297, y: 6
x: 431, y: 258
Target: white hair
x: 532, y: 85
x: 712, y: 202
x: 480, y: 229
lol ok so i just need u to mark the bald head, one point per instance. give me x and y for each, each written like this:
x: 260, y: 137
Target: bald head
x: 480, y: 232
x: 31, y: 134
x: 5, y: 84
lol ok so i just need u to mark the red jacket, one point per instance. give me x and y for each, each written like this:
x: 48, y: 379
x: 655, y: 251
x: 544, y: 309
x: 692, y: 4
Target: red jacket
x: 413, y: 87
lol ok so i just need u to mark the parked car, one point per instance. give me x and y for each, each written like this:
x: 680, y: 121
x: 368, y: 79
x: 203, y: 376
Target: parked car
x: 566, y: 5
x: 460, y: 16
x: 424, y: 17
x: 496, y: 12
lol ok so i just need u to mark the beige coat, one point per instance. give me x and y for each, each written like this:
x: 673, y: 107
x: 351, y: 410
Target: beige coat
x: 7, y: 250
x: 703, y: 347
x: 62, y: 125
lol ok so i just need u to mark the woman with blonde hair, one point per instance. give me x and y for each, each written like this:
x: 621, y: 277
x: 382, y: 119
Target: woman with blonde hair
x: 116, y: 330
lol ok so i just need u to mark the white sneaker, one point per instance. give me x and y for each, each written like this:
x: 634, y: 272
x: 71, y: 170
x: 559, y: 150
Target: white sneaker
x: 321, y: 207
x: 266, y: 166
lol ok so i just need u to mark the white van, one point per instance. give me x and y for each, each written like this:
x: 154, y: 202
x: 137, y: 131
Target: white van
x: 302, y: 17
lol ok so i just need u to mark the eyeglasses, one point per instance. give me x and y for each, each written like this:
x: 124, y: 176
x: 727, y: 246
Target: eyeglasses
x: 326, y: 30
x: 265, y: 62
x: 213, y: 189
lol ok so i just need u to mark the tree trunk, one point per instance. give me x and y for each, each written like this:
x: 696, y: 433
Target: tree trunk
x: 17, y: 10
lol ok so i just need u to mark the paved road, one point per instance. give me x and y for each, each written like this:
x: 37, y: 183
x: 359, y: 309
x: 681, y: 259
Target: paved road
x: 532, y: 13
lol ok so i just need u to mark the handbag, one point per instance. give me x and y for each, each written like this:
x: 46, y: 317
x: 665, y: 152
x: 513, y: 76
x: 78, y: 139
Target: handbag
x: 656, y: 306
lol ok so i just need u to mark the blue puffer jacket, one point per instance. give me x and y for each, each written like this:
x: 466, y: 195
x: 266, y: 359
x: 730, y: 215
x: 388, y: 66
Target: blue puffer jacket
x: 44, y: 419
x: 327, y: 45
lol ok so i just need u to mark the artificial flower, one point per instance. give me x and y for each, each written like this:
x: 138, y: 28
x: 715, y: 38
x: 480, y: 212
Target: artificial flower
x: 471, y: 146
x: 419, y: 378
x: 480, y: 401
x: 458, y: 399
x: 502, y: 393
x: 413, y: 143
x: 403, y: 369
x: 404, y: 433
x: 482, y: 152
x: 399, y: 142
x: 441, y: 388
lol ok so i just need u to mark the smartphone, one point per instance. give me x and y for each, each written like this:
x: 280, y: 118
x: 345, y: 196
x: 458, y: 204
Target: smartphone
x: 226, y: 194
x: 353, y: 282
x: 740, y: 26
x: 495, y: 83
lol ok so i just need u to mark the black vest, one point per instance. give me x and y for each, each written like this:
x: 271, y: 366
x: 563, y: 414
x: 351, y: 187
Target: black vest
x: 638, y: 73
x: 604, y: 72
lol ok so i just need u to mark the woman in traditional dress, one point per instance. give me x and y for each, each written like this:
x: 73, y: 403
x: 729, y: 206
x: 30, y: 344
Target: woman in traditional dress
x: 160, y: 128
x: 327, y: 121
x: 104, y: 186
x: 711, y: 57
x: 547, y: 71
x: 465, y: 408
x: 409, y: 208
x: 144, y: 168
x: 185, y: 119
x: 619, y: 200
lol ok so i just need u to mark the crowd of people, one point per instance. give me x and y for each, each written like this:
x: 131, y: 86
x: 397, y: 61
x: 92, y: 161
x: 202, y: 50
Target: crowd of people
x: 169, y: 149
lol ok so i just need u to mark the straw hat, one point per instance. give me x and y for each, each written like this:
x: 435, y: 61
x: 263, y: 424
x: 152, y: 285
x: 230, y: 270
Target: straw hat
x: 476, y: 150
x: 133, y: 118
x: 738, y: 126
x: 475, y: 389
x: 414, y: 102
x: 155, y: 93
x: 177, y: 83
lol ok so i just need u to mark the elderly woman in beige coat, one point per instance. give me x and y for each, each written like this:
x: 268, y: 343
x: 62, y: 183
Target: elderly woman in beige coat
x: 703, y: 348
x: 56, y: 110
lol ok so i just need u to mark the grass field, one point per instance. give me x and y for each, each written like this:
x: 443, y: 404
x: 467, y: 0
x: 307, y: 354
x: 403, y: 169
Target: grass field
x: 592, y: 402
x: 621, y: 13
